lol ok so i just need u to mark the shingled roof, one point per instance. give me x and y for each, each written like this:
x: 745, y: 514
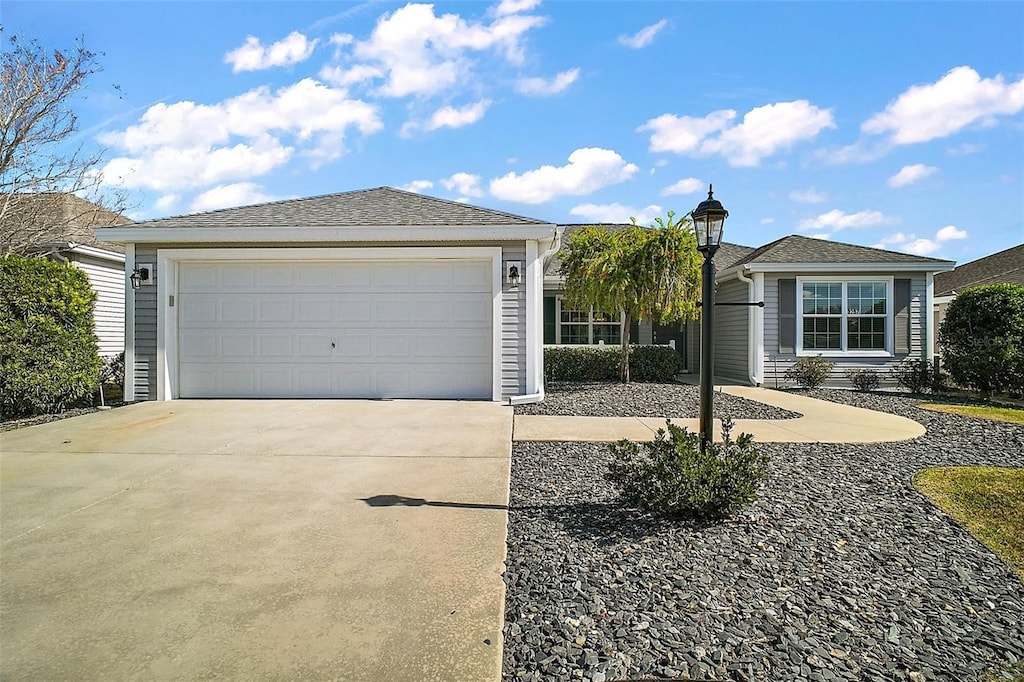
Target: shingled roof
x: 799, y: 249
x: 1004, y: 266
x: 41, y: 221
x: 382, y: 206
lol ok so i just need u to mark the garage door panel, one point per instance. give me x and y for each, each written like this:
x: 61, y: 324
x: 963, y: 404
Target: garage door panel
x: 276, y: 346
x: 401, y: 329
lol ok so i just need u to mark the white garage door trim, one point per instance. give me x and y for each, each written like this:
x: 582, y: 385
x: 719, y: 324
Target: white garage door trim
x: 167, y: 286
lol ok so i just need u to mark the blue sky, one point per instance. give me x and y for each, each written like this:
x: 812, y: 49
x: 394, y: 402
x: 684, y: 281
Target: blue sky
x: 893, y: 124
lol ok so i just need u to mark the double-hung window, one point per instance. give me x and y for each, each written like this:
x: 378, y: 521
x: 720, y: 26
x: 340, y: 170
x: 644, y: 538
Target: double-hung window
x: 845, y: 316
x: 585, y: 327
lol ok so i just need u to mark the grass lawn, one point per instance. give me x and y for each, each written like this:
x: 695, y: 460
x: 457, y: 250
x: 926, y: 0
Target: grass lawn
x: 1001, y: 414
x: 988, y: 501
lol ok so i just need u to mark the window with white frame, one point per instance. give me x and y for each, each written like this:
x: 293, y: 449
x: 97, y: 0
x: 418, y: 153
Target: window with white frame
x: 583, y: 327
x: 845, y: 316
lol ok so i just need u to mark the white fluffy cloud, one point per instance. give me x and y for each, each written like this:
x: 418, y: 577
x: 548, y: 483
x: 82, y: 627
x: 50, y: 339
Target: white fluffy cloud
x: 417, y: 52
x: 921, y: 246
x: 228, y: 196
x: 506, y: 7
x: 908, y: 175
x: 837, y: 220
x: 935, y: 110
x: 684, y: 186
x: 950, y: 232
x: 457, y: 117
x: 253, y: 56
x: 763, y: 132
x: 540, y: 87
x: 644, y: 36
x: 589, y: 169
x: 616, y: 213
x: 417, y: 186
x: 466, y: 185
x: 808, y: 196
x: 185, y: 145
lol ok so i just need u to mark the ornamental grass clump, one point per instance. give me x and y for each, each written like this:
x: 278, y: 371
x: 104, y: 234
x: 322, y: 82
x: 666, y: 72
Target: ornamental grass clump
x: 672, y: 476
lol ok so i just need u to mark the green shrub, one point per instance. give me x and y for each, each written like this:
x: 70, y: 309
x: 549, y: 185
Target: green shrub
x: 601, y: 363
x: 982, y: 338
x: 917, y: 375
x: 671, y: 475
x: 863, y: 379
x: 659, y: 364
x: 810, y: 372
x: 48, y: 356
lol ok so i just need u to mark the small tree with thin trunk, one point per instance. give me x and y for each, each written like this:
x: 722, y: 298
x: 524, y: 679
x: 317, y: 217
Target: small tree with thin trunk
x: 646, y: 273
x: 40, y: 160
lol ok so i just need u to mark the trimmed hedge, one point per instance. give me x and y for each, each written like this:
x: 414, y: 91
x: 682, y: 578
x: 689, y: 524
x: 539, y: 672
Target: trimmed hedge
x: 48, y: 355
x: 658, y: 364
x: 982, y: 338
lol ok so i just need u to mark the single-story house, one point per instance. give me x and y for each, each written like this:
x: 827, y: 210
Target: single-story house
x: 377, y: 293
x: 383, y: 293
x: 60, y: 226
x: 857, y: 306
x: 1006, y: 266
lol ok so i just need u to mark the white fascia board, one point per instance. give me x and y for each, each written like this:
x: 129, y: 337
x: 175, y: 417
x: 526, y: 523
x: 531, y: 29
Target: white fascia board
x: 840, y: 267
x: 399, y: 233
x: 97, y: 252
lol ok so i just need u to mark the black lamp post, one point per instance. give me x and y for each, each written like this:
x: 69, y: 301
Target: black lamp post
x: 708, y: 219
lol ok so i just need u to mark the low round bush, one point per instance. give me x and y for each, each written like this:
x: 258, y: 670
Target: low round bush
x: 810, y: 372
x: 48, y: 356
x: 917, y: 375
x: 982, y: 338
x: 670, y: 475
x: 863, y: 379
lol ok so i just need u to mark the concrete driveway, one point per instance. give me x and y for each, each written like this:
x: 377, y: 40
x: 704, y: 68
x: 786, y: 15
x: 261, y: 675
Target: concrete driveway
x: 256, y: 540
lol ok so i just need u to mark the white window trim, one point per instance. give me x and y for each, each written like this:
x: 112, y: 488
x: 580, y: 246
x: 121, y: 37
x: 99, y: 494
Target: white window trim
x: 590, y: 325
x: 890, y: 319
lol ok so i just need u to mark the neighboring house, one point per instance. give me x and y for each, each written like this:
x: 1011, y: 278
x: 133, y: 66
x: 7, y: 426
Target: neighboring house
x: 60, y: 226
x: 1003, y: 267
x: 376, y: 293
x: 857, y: 306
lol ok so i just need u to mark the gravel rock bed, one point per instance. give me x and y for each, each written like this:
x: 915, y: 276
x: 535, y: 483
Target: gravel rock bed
x: 609, y: 399
x: 840, y: 571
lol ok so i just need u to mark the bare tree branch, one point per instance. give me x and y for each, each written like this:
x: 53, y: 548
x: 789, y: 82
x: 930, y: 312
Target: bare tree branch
x: 50, y: 189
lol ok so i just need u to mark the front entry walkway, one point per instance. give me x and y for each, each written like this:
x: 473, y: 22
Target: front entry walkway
x: 821, y: 422
x: 256, y: 540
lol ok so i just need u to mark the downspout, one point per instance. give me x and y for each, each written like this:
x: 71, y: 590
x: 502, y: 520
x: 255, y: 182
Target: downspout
x: 755, y: 335
x: 556, y: 244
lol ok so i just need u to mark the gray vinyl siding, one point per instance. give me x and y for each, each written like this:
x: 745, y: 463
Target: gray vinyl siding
x: 513, y: 328
x: 513, y: 315
x: 107, y: 280
x: 776, y: 363
x: 145, y: 329
x: 732, y: 332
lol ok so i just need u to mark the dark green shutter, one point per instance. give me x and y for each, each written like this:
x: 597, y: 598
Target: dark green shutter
x: 901, y: 308
x: 787, y: 316
x: 549, y: 319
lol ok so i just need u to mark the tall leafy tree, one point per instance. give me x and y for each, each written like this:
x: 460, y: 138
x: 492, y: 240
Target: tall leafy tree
x: 644, y: 272
x: 41, y: 159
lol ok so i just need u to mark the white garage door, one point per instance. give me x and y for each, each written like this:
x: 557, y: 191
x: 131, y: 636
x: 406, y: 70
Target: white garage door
x: 368, y: 329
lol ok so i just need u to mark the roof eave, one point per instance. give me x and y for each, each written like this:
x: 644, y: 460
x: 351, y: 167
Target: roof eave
x: 914, y: 266
x: 292, y: 235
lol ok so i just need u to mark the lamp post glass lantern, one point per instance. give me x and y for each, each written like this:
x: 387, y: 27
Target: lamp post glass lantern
x: 708, y: 220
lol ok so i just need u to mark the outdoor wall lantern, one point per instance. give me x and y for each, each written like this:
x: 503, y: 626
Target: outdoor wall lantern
x: 512, y: 274
x: 708, y: 219
x: 138, y: 276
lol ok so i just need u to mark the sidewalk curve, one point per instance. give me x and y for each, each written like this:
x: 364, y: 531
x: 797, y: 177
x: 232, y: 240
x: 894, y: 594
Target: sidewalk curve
x: 821, y: 422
